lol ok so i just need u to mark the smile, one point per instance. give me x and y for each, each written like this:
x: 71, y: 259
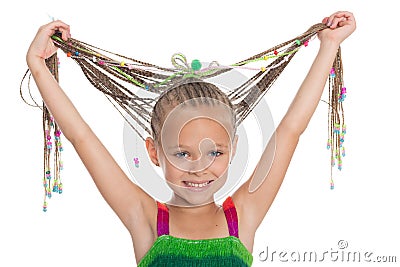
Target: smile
x: 191, y: 184
x: 196, y: 184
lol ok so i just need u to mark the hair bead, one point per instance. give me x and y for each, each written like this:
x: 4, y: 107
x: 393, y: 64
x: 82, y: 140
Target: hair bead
x: 196, y: 64
x: 332, y: 73
x: 136, y: 161
x: 45, y: 206
x: 104, y: 72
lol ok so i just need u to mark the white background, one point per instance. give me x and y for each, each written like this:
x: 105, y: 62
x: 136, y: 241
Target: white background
x: 81, y: 230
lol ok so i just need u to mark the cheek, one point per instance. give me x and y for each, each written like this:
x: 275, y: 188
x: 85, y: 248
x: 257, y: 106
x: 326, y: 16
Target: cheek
x: 171, y: 173
x: 220, y: 166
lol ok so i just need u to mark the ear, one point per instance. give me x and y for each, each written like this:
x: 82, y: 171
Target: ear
x: 152, y: 150
x: 234, y: 146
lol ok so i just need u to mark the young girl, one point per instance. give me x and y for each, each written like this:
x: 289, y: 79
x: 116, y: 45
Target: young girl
x: 193, y: 140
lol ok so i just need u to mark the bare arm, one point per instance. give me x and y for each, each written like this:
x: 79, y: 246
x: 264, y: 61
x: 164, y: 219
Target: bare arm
x: 254, y: 205
x: 124, y: 197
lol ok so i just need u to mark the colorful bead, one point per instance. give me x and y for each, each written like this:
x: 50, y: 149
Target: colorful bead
x: 275, y: 53
x: 332, y: 73
x: 265, y: 57
x: 328, y: 144
x: 122, y: 64
x: 344, y: 129
x: 306, y: 43
x: 69, y: 54
x: 76, y: 53
x: 147, y: 87
x: 336, y: 128
x: 332, y: 185
x: 196, y: 64
x: 45, y: 206
x: 341, y: 137
x: 263, y: 69
x: 101, y: 62
x: 130, y: 66
x: 342, y: 94
x: 298, y: 42
x: 136, y: 161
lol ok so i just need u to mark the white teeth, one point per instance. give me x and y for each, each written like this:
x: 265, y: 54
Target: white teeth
x: 197, y: 185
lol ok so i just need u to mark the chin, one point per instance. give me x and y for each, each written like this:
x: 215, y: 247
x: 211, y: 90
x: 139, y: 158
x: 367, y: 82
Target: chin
x: 190, y: 197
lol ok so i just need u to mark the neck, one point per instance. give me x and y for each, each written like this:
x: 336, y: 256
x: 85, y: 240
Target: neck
x: 175, y: 204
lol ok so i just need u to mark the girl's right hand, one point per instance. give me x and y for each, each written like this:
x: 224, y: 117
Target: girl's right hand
x: 42, y: 45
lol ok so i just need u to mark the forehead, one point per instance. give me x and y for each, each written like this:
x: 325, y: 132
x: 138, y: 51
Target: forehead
x: 196, y: 122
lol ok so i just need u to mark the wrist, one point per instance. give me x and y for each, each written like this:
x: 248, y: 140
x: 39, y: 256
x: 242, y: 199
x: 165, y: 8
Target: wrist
x: 329, y: 45
x: 36, y: 65
x: 34, y: 61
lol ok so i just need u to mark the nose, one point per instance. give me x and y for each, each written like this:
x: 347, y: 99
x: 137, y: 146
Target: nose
x: 198, y: 164
x: 201, y: 161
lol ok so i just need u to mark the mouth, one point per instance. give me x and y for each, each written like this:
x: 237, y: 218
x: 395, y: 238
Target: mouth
x: 197, y: 185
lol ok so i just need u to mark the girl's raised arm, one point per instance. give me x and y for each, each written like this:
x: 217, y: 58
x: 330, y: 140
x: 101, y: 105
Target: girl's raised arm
x: 254, y: 205
x: 124, y: 197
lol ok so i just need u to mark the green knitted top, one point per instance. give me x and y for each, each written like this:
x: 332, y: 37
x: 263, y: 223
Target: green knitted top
x: 173, y: 251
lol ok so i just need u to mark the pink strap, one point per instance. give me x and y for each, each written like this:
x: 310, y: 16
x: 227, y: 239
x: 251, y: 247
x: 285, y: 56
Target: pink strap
x: 162, y: 219
x: 231, y: 217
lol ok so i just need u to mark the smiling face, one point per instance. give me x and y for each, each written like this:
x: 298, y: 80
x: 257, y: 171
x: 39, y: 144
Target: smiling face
x: 196, y: 146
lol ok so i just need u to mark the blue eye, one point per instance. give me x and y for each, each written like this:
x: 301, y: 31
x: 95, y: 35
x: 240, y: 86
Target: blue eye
x: 215, y: 153
x: 182, y: 154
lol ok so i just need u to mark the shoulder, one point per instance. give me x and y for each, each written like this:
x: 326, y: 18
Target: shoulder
x: 246, y: 230
x: 143, y: 229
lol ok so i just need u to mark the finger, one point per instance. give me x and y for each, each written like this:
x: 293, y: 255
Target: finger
x: 325, y: 20
x: 343, y: 23
x: 336, y: 21
x: 62, y: 27
x: 339, y: 14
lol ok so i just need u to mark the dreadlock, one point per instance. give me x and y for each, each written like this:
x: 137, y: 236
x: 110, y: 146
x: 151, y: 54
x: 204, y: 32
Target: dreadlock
x: 163, y: 88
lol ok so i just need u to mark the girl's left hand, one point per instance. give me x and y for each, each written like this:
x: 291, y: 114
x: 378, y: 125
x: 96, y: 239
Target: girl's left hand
x: 341, y: 25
